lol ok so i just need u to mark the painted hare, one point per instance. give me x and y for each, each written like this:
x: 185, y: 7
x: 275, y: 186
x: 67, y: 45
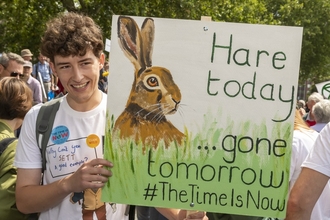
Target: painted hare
x: 154, y: 93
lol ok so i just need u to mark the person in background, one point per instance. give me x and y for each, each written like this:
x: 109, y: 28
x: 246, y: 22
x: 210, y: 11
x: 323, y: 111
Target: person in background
x: 11, y: 64
x: 301, y: 107
x: 219, y: 216
x: 15, y: 102
x: 76, y: 58
x: 60, y: 91
x: 148, y: 213
x: 103, y: 80
x: 47, y: 78
x: 312, y: 183
x: 106, y: 66
x: 32, y: 82
x: 312, y: 100
x: 303, y: 140
x: 321, y: 112
x: 26, y: 54
x: 142, y: 212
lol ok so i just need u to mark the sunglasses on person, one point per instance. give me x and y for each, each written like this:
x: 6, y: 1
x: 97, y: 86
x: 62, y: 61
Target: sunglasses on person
x: 14, y: 74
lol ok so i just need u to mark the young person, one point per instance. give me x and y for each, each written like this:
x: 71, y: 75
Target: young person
x: 74, y: 172
x: 15, y: 102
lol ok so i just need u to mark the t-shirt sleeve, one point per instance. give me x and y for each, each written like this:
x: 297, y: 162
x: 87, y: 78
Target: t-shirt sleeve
x: 28, y: 154
x: 319, y: 157
x: 293, y: 163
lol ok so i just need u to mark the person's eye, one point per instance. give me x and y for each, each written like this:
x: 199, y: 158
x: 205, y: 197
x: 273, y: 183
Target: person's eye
x: 64, y: 67
x: 86, y: 63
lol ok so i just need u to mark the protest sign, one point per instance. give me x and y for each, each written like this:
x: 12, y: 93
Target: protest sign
x: 324, y: 89
x: 107, y: 45
x: 200, y: 114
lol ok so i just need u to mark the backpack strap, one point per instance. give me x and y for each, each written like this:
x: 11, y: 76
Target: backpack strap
x: 44, y: 125
x: 4, y: 143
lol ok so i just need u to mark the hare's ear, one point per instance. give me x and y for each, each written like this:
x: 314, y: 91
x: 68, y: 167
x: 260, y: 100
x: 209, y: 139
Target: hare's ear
x: 148, y: 34
x: 130, y: 41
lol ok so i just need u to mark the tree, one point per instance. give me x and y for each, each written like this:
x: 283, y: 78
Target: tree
x: 313, y: 16
x: 22, y: 22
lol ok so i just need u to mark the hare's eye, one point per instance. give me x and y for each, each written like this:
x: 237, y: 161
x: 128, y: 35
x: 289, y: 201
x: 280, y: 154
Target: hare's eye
x: 152, y: 81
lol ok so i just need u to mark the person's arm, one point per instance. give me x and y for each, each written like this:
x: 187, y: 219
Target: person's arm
x: 179, y: 214
x: 32, y: 197
x: 53, y: 78
x: 37, y: 95
x: 305, y: 193
x: 35, y: 70
x: 54, y: 81
x: 8, y: 176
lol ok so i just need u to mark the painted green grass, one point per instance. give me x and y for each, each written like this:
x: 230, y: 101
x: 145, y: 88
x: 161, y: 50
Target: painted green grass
x: 130, y: 171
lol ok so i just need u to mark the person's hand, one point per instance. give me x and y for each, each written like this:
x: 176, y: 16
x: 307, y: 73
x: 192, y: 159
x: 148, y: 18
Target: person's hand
x: 197, y: 216
x: 181, y: 214
x: 90, y: 175
x: 192, y: 215
x: 302, y: 111
x: 54, y: 87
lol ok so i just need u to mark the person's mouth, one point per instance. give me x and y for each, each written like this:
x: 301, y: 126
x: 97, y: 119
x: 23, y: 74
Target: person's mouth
x: 79, y: 86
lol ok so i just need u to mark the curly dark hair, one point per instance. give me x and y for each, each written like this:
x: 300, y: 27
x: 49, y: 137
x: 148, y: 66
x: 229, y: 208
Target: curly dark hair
x: 15, y: 98
x: 71, y: 34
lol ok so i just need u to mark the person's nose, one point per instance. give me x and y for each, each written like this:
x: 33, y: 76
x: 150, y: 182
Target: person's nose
x: 77, y: 74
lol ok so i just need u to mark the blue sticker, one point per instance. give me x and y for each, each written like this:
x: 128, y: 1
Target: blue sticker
x: 60, y: 134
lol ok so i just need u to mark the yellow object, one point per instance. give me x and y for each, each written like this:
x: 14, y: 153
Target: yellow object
x: 92, y: 141
x: 105, y: 74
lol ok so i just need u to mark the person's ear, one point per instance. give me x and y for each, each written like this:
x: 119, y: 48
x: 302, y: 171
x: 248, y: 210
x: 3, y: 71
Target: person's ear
x: 101, y: 61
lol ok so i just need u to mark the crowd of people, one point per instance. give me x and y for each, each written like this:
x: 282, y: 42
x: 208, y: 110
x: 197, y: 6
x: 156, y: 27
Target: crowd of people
x: 71, y: 63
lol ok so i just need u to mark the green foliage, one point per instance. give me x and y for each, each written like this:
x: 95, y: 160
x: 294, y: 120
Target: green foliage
x: 22, y: 21
x: 313, y: 16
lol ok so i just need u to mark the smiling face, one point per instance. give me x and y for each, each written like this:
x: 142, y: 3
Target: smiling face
x: 79, y: 75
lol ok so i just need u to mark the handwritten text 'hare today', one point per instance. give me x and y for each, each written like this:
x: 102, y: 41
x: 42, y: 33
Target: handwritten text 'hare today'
x: 249, y: 89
